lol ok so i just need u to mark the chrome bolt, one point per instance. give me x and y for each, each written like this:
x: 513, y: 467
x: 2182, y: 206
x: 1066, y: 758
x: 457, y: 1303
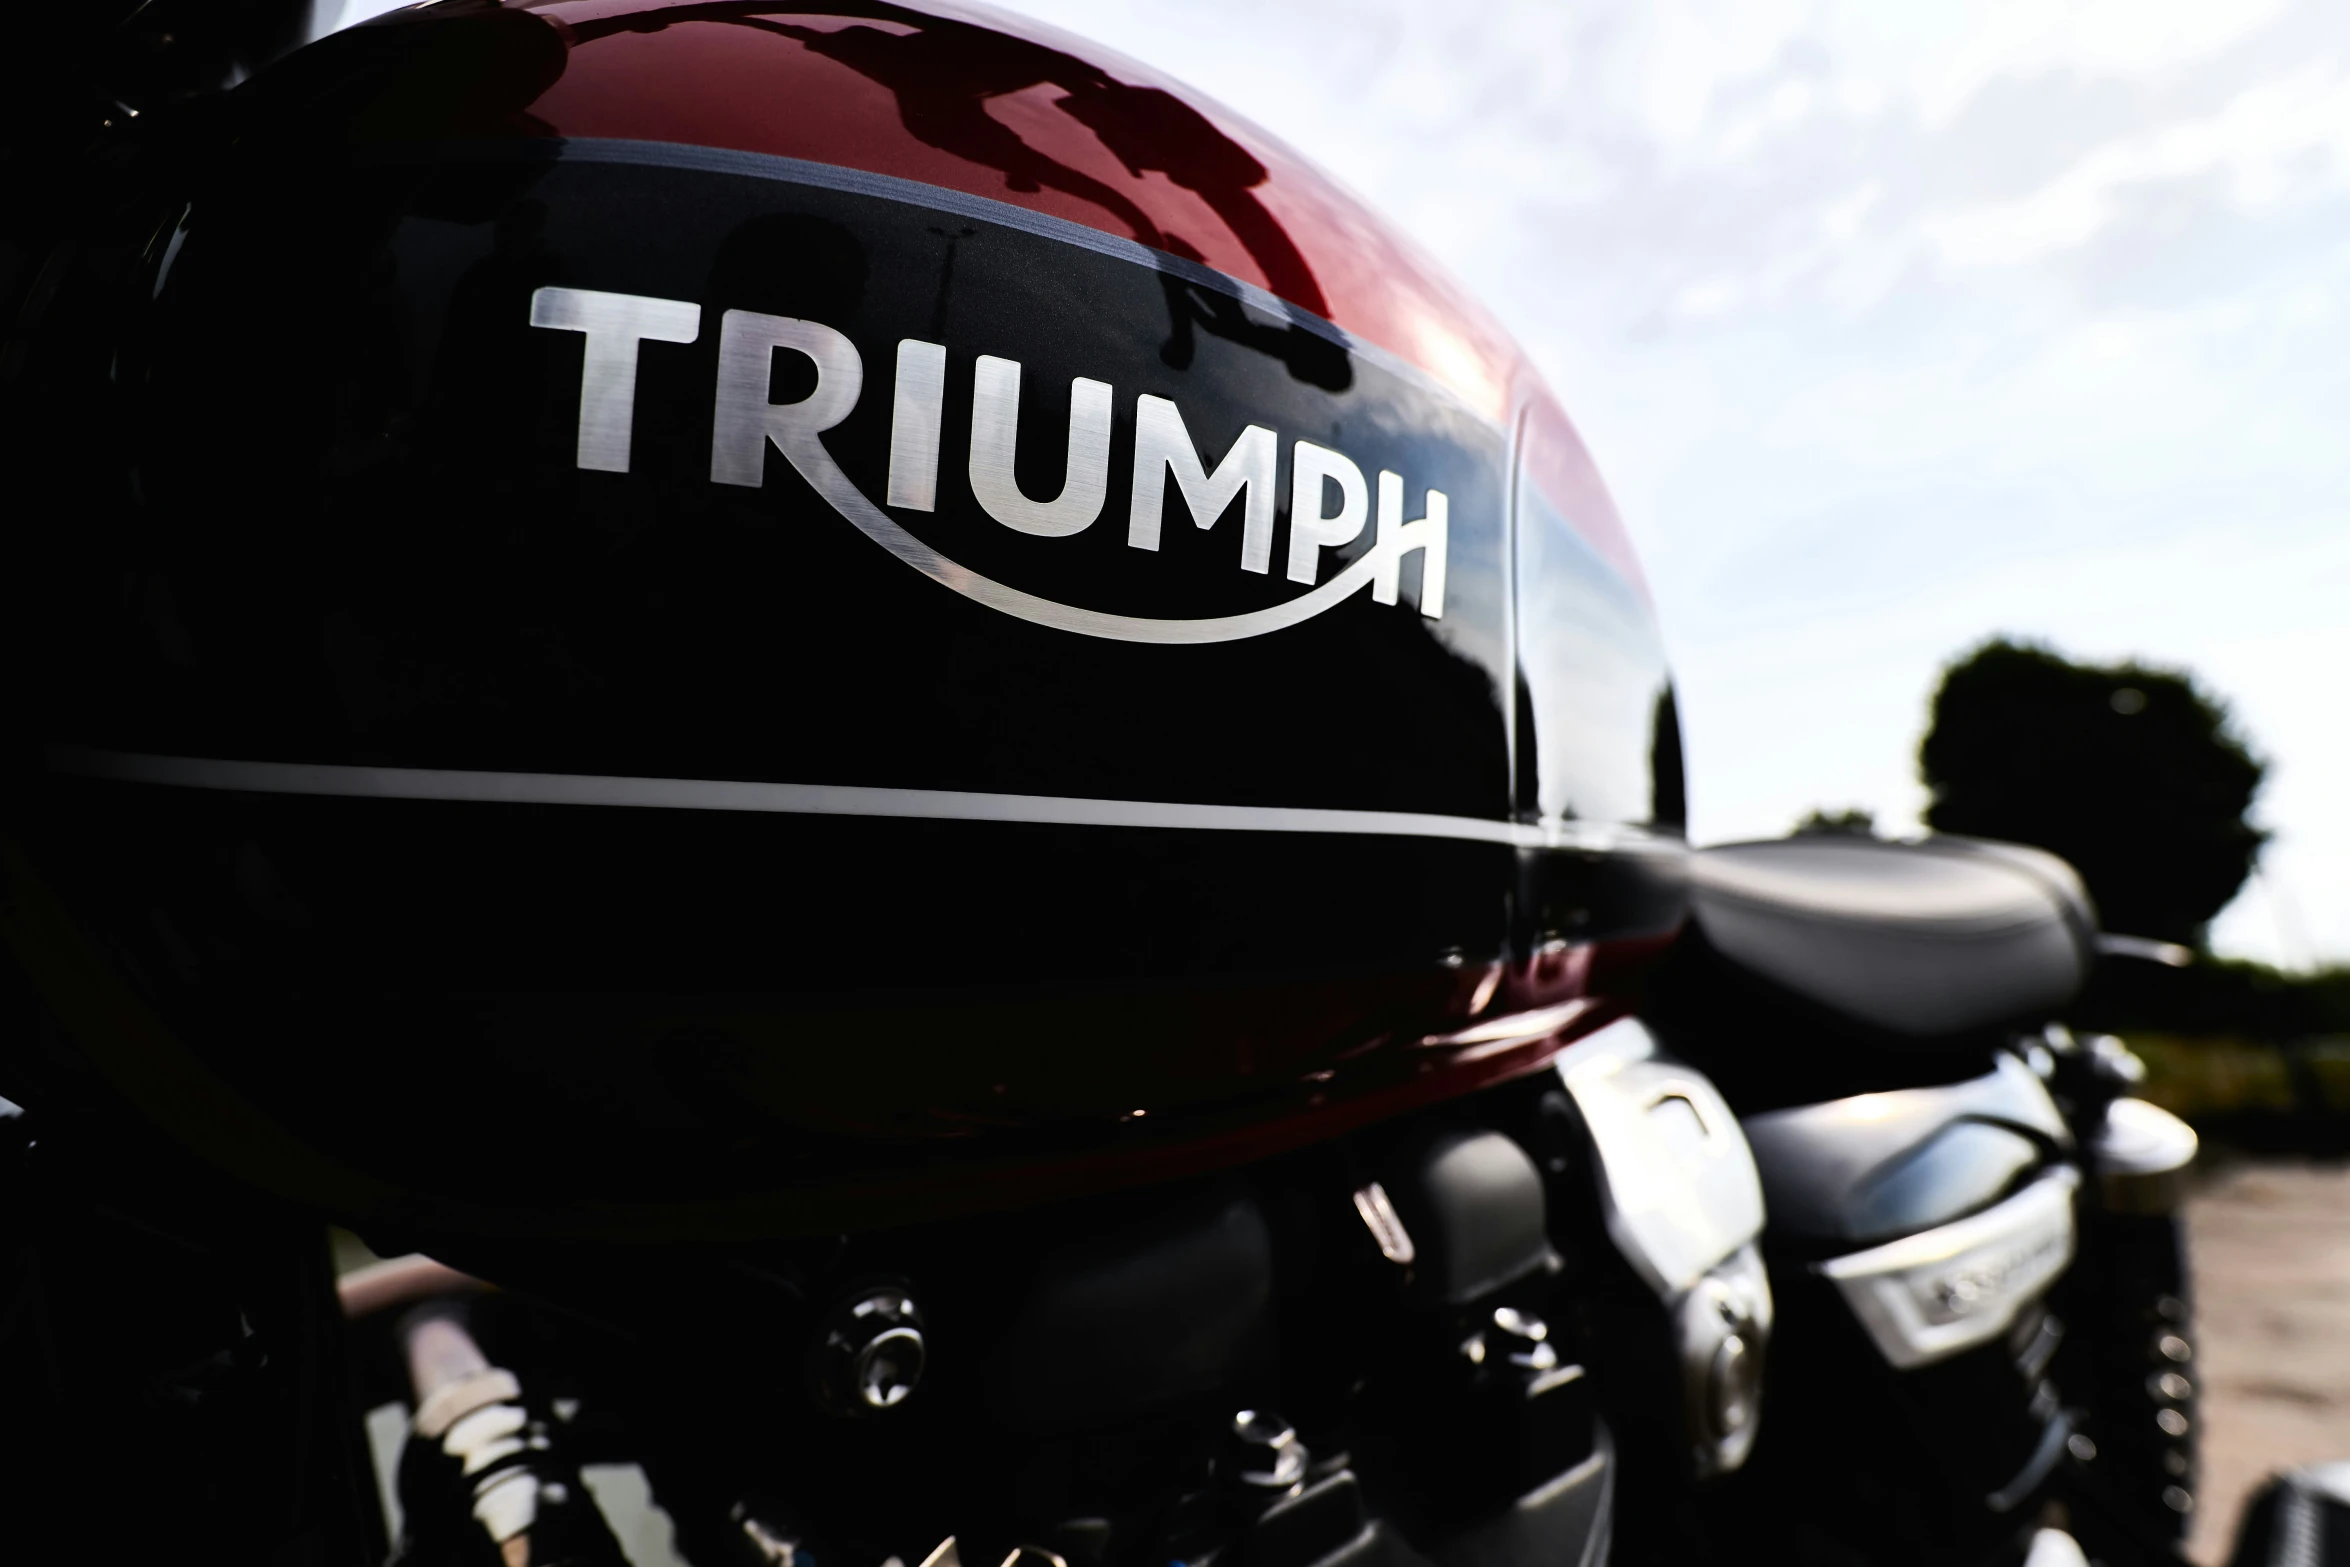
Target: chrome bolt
x: 1521, y: 1338
x: 872, y: 1354
x: 1733, y: 1385
x: 1033, y: 1556
x: 770, y: 1545
x: 1265, y: 1454
x: 888, y: 1367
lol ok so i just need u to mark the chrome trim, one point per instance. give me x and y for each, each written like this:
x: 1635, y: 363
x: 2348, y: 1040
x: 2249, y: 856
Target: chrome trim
x: 1723, y: 1323
x: 2141, y: 1154
x: 2055, y: 1548
x: 475, y: 1389
x: 725, y: 794
x: 1624, y: 1044
x: 1386, y: 1225
x: 1676, y: 1210
x: 1930, y: 1296
x: 2026, y: 1481
x: 2138, y: 1138
x: 2145, y: 949
x: 1684, y: 1206
x: 1516, y: 1027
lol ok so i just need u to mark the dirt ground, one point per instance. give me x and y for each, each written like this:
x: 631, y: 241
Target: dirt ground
x: 2271, y: 1253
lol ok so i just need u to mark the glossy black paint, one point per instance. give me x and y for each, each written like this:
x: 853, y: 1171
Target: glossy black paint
x: 333, y: 515
x: 171, y: 1352
x: 1590, y: 675
x: 403, y: 565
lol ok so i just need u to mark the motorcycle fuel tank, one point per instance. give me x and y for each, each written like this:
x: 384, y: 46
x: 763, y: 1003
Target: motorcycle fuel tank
x: 767, y: 617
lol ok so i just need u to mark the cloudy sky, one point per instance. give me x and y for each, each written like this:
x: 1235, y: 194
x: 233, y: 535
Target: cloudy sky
x: 1895, y: 326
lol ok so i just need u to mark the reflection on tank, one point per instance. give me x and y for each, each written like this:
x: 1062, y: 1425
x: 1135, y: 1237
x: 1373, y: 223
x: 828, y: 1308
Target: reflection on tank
x: 944, y: 73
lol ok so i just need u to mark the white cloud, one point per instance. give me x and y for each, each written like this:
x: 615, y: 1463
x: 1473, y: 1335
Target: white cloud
x: 1895, y: 327
x: 2274, y: 141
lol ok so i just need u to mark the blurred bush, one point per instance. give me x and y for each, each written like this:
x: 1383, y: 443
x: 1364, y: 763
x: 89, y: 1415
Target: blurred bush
x: 2198, y: 1077
x: 2136, y: 775
x: 2269, y: 1096
x: 2216, y: 999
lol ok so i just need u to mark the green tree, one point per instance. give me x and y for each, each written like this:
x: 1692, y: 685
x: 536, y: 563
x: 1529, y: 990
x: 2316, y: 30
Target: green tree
x: 2133, y: 774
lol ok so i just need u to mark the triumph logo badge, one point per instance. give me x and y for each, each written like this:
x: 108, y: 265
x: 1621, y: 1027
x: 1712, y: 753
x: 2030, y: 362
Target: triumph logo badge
x: 1330, y: 500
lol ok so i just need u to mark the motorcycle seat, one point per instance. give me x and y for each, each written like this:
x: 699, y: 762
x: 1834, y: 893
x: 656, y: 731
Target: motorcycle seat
x: 1911, y: 942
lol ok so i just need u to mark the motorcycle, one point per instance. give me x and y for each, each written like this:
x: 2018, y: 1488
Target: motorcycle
x: 942, y: 1025
x: 1973, y: 1230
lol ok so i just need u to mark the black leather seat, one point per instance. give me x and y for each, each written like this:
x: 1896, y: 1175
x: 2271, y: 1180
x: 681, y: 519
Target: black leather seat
x: 1911, y: 942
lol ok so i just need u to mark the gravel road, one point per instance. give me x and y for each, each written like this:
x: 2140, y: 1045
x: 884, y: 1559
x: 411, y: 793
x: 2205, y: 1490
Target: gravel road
x: 2271, y: 1253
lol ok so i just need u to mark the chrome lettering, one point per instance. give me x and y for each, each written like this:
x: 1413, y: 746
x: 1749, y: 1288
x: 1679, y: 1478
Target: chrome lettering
x: 744, y: 421
x: 913, y: 427
x: 1310, y: 531
x: 1162, y: 445
x: 613, y: 324
x: 1398, y: 538
x: 995, y: 431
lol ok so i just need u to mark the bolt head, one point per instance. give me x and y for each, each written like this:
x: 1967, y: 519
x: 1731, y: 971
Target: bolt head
x: 1733, y: 1385
x: 1521, y: 1338
x: 1266, y: 1454
x: 888, y: 1366
x: 871, y: 1354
